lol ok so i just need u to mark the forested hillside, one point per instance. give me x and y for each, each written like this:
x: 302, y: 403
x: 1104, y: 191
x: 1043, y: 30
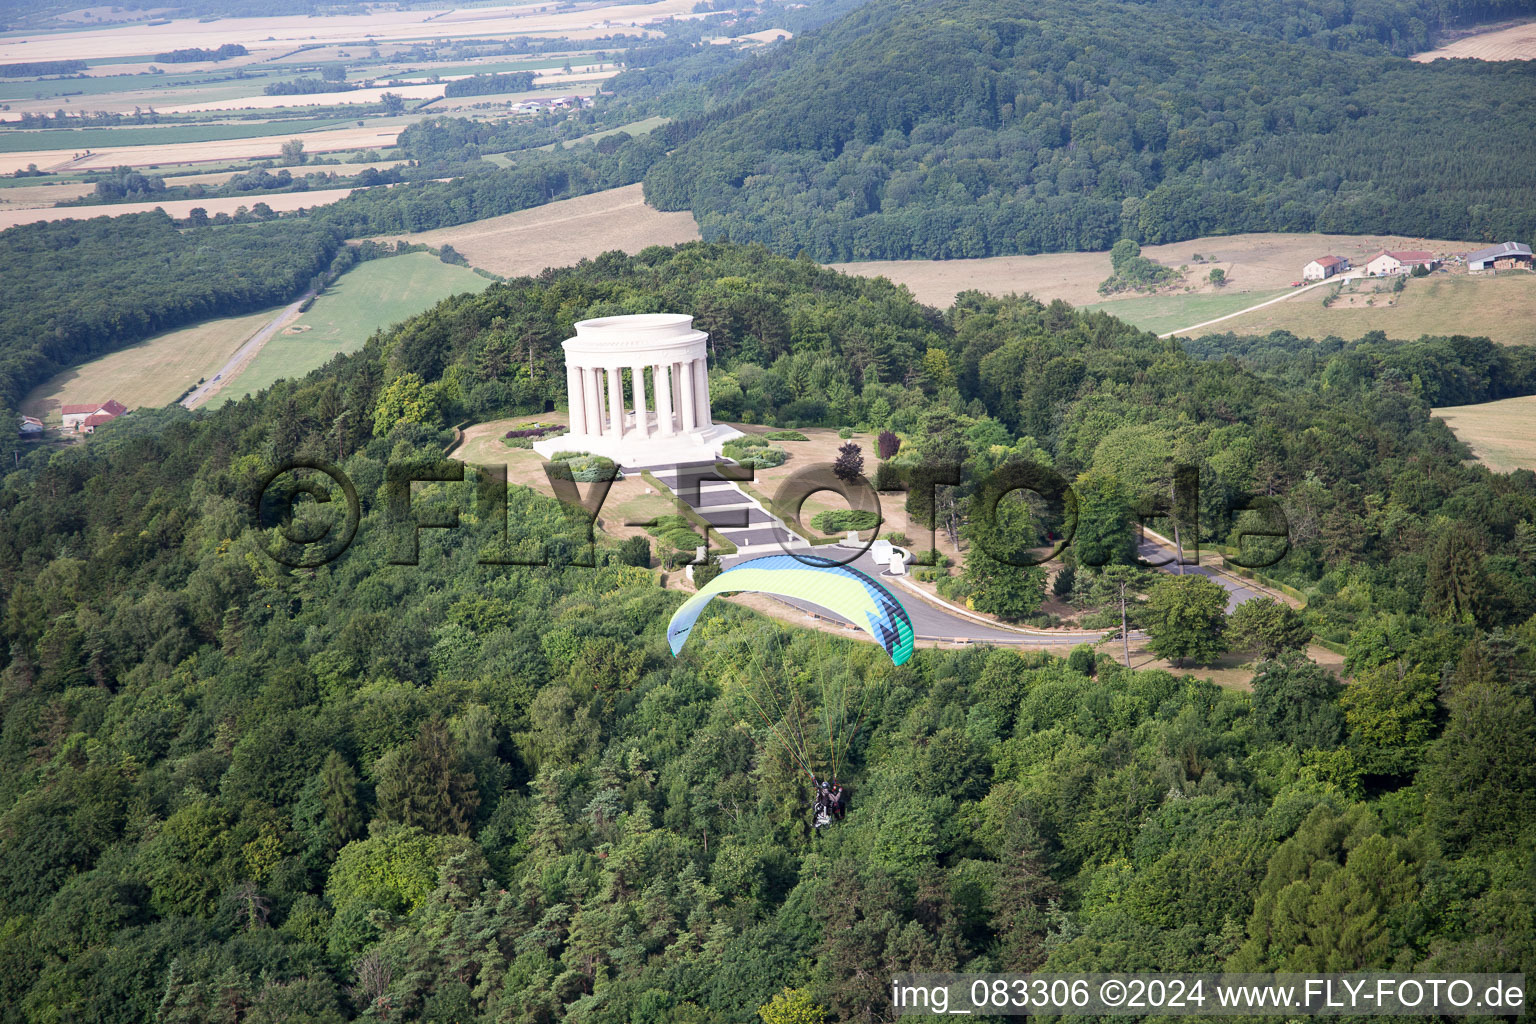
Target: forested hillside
x: 461, y: 792
x: 970, y: 128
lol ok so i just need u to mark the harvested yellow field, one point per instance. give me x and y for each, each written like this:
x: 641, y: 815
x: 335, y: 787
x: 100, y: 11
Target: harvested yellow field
x: 282, y: 202
x: 576, y: 84
x: 1502, y: 435
x: 1252, y: 262
x: 318, y: 99
x: 563, y: 233
x: 331, y: 141
x: 277, y: 35
x: 152, y: 373
x: 1514, y: 42
x: 32, y: 197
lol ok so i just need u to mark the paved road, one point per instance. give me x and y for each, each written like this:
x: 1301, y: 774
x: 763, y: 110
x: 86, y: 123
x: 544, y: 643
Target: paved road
x: 1160, y: 552
x: 755, y: 531
x: 208, y: 388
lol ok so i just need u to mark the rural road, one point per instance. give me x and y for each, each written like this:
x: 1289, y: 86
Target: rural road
x: 1348, y: 275
x: 244, y: 354
x: 756, y: 532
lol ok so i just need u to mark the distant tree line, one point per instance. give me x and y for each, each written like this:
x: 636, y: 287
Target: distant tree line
x: 42, y: 67
x: 194, y: 53
x: 128, y: 185
x: 306, y: 87
x: 487, y: 85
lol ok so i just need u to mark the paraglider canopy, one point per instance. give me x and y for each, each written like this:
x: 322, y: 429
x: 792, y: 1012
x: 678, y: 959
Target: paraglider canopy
x: 836, y: 587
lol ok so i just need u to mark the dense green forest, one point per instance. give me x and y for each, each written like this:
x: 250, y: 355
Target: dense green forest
x: 459, y: 792
x: 964, y: 129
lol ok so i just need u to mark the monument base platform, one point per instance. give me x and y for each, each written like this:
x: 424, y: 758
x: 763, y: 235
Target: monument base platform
x: 634, y: 451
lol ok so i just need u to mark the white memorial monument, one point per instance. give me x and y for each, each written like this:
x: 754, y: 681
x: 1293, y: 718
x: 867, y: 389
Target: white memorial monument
x: 667, y: 421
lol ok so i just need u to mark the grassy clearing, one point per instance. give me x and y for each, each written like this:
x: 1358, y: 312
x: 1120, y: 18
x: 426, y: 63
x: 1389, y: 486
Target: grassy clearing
x: 1502, y: 435
x: 153, y: 372
x: 20, y: 141
x: 374, y: 295
x: 1499, y: 307
x: 1162, y: 313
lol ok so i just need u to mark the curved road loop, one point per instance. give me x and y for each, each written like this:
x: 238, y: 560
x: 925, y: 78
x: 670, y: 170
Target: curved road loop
x: 756, y: 531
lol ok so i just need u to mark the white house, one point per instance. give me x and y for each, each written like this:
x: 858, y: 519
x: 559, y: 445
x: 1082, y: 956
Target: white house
x: 84, y: 419
x: 1504, y: 256
x: 1388, y: 263
x: 1324, y: 267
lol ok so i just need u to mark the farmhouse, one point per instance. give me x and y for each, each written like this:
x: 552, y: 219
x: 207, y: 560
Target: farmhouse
x: 31, y: 426
x: 84, y: 419
x: 1504, y: 256
x: 1387, y: 263
x: 1324, y: 267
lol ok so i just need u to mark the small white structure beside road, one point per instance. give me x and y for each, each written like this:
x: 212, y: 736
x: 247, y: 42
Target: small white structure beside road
x: 664, y: 359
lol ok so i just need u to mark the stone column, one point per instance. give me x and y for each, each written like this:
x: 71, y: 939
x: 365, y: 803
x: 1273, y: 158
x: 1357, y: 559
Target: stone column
x: 663, y: 401
x: 573, y: 400
x: 701, y: 389
x: 642, y: 418
x: 591, y: 406
x: 616, y: 400
x: 690, y: 405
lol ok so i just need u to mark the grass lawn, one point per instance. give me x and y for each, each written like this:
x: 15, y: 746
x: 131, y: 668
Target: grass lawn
x: 23, y: 140
x: 1162, y: 313
x: 153, y: 372
x: 1502, y: 308
x: 1501, y: 434
x: 372, y: 295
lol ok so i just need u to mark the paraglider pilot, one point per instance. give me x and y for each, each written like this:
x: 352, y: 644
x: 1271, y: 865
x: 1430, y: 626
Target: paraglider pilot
x: 821, y: 807
x: 830, y: 802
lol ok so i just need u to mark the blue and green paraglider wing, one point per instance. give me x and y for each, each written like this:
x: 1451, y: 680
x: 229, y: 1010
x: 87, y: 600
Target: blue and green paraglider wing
x: 839, y: 589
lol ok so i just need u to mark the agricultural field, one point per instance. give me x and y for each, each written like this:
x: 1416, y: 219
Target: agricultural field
x: 372, y: 295
x: 1254, y: 262
x: 1510, y: 42
x: 377, y: 134
x: 1443, y: 304
x: 282, y: 202
x: 80, y: 139
x: 562, y: 233
x: 276, y: 36
x: 152, y: 373
x: 1162, y: 313
x: 1502, y: 435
